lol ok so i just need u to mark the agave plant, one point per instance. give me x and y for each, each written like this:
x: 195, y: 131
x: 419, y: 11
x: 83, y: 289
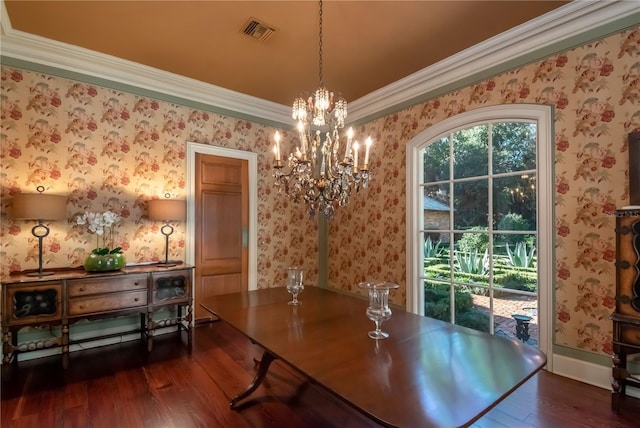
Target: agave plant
x: 431, y: 249
x: 471, y: 262
x: 521, y: 256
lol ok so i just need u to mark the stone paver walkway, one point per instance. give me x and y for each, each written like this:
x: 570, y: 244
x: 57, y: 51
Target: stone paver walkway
x: 504, y: 308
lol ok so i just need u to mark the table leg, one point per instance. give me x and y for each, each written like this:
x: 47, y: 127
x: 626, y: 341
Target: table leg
x: 265, y: 362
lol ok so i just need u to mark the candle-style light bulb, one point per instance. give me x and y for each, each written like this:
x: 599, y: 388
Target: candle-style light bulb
x: 348, y: 145
x: 303, y: 137
x: 276, y: 148
x: 368, y: 143
x: 356, y: 146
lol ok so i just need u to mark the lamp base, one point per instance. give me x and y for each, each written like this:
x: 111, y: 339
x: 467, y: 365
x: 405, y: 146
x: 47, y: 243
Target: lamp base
x: 40, y: 230
x: 39, y: 273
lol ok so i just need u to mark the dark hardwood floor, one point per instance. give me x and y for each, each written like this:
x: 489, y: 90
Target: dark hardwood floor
x: 120, y: 386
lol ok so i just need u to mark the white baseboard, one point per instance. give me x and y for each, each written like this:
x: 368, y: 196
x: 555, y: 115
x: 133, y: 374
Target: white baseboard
x: 583, y: 371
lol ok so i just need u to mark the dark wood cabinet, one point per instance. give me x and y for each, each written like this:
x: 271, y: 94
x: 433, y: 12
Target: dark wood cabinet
x: 626, y: 318
x: 60, y: 300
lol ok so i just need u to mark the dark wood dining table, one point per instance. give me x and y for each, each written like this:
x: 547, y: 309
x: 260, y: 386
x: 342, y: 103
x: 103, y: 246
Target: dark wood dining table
x: 427, y: 373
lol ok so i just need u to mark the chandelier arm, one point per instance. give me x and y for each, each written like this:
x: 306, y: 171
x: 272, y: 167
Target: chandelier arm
x: 321, y: 195
x: 284, y: 179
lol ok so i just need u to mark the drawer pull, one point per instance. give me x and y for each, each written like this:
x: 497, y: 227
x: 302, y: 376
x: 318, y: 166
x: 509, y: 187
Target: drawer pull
x: 136, y: 299
x: 82, y: 289
x: 82, y: 306
x: 623, y: 264
x: 136, y: 283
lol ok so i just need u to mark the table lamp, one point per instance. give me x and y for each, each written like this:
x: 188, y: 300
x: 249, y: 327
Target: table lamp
x: 41, y: 207
x: 167, y: 210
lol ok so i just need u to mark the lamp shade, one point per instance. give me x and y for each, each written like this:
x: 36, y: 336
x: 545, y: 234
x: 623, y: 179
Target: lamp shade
x: 38, y: 206
x: 167, y: 209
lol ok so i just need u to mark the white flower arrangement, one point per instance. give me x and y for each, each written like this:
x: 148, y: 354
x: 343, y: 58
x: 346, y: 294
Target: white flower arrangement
x: 101, y: 224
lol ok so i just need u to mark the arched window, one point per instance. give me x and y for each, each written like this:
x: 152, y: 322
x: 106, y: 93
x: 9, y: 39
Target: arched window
x: 479, y: 221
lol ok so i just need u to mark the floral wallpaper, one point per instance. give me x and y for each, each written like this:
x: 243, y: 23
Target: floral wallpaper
x: 596, y: 93
x: 111, y: 150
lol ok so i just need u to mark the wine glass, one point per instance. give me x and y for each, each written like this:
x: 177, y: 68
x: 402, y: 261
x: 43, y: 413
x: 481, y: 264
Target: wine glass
x: 378, y: 309
x: 294, y: 284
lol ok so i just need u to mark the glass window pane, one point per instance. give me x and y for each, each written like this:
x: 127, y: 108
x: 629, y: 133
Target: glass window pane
x: 436, y: 260
x: 473, y: 308
x: 436, y: 161
x: 515, y: 264
x: 516, y: 317
x: 471, y: 152
x: 471, y: 259
x: 437, y: 300
x: 471, y: 204
x: 514, y: 146
x: 435, y: 246
x: 436, y: 208
x: 514, y: 202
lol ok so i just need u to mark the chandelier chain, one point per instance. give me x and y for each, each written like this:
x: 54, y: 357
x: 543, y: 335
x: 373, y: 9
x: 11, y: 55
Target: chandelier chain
x: 320, y: 47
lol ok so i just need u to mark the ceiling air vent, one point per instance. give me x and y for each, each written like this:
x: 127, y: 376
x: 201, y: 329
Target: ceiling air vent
x: 257, y: 29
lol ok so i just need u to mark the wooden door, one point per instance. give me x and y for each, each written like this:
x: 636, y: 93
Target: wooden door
x: 221, y: 227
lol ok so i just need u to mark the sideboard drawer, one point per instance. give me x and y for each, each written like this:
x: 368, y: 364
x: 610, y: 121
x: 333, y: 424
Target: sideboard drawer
x: 630, y: 334
x: 87, y: 287
x: 107, y: 302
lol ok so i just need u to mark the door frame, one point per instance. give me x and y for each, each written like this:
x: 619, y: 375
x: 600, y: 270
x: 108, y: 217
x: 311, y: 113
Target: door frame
x: 252, y: 158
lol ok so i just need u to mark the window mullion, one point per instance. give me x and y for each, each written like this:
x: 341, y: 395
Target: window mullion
x: 451, y: 228
x: 490, y: 223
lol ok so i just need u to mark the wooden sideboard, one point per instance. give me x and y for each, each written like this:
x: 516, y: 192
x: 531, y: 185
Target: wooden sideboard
x: 57, y: 301
x: 626, y: 318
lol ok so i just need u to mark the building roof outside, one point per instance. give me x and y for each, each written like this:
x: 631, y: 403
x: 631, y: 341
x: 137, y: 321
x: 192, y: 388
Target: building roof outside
x: 434, y: 205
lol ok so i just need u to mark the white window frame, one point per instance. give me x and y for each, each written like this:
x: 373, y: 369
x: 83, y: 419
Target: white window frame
x: 542, y: 115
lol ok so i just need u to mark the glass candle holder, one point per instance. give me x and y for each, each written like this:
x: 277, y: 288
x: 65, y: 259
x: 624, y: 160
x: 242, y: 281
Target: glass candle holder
x: 378, y: 309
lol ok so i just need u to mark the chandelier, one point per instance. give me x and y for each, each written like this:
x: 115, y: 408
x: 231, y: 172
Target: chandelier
x: 318, y: 170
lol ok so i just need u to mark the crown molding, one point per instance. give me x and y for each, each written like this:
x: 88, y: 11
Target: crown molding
x: 62, y: 56
x: 566, y: 27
